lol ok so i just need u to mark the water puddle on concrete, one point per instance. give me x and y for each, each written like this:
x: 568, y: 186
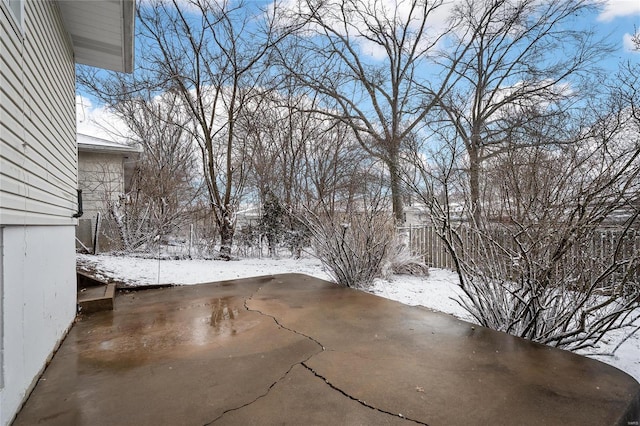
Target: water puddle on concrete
x: 228, y: 317
x: 160, y: 334
x: 222, y: 315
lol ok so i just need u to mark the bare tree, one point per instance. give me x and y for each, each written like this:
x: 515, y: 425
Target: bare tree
x: 301, y: 160
x: 212, y: 56
x: 208, y: 55
x: 513, y: 55
x: 635, y: 39
x: 535, y: 273
x: 277, y: 134
x: 368, y: 59
x: 625, y: 89
x: 337, y: 172
x: 163, y: 188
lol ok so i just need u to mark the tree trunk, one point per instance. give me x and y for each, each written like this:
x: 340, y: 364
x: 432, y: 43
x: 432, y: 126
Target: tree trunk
x: 226, y: 227
x: 396, y: 191
x: 474, y: 186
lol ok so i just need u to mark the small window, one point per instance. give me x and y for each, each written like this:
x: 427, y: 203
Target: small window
x: 16, y: 7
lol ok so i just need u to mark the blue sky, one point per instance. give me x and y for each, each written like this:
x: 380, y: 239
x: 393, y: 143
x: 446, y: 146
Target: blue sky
x: 617, y: 20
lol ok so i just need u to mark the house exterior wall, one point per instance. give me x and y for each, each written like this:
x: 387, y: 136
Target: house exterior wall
x: 101, y: 178
x: 37, y: 119
x: 39, y: 305
x: 38, y: 163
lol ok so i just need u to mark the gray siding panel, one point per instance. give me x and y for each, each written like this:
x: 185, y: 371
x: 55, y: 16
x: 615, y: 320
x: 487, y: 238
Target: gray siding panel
x: 101, y: 178
x: 38, y: 159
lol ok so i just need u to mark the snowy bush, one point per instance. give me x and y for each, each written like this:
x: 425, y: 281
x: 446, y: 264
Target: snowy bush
x: 402, y: 261
x: 535, y: 281
x: 562, y: 303
x: 549, y: 251
x: 353, y: 247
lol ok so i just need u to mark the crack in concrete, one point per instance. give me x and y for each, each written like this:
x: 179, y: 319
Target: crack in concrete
x: 281, y: 377
x: 259, y: 396
x: 280, y: 324
x: 361, y: 402
x: 306, y: 366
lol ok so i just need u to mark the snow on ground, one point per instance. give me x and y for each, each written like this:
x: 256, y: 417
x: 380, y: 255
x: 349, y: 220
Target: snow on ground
x: 437, y: 291
x: 141, y: 271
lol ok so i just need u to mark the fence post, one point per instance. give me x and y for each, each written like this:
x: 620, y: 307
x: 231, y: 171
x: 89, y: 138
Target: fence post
x: 412, y: 235
x: 96, y: 234
x: 190, y: 240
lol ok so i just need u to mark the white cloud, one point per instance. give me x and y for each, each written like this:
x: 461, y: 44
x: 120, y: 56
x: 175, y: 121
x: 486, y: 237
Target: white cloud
x: 617, y: 8
x: 629, y: 45
x: 368, y: 13
x: 98, y: 121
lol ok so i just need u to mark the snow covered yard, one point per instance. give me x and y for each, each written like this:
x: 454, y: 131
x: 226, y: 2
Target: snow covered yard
x: 435, y: 292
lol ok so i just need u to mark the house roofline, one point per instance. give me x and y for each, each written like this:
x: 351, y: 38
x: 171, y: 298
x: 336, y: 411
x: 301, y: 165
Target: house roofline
x: 88, y: 143
x: 102, y: 32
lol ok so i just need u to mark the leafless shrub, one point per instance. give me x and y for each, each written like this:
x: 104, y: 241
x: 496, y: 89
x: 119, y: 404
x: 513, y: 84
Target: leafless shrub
x: 402, y: 261
x: 527, y: 264
x: 523, y: 282
x: 354, y: 246
x: 530, y: 275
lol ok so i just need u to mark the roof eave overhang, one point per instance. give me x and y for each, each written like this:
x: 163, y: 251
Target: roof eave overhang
x: 124, y: 150
x: 102, y: 32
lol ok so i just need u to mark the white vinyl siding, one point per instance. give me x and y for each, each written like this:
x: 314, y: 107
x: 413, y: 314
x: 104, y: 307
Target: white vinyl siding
x: 37, y: 120
x: 101, y: 178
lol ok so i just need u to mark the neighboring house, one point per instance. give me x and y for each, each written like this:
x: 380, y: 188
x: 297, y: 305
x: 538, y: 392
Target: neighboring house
x: 105, y: 170
x: 416, y: 214
x: 249, y: 215
x: 40, y: 43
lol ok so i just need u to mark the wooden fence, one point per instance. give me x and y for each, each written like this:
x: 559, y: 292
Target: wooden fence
x: 594, y: 254
x: 425, y: 242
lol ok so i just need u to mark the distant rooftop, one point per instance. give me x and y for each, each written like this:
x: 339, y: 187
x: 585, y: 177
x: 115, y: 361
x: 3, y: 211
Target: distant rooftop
x: 88, y: 143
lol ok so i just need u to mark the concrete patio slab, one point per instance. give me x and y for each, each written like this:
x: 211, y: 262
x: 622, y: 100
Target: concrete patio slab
x: 291, y: 349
